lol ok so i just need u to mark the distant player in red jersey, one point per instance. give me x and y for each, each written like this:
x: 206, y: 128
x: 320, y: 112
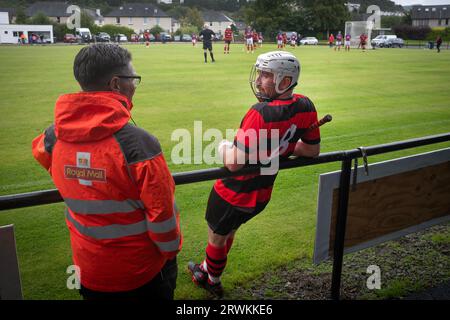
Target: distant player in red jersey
x: 260, y: 39
x: 249, y: 39
x: 279, y: 41
x: 228, y: 37
x: 294, y: 40
x: 338, y: 41
x: 255, y: 38
x: 147, y: 38
x: 363, y: 41
x: 194, y: 40
x: 348, y: 37
x: 280, y: 117
x: 331, y: 40
x: 284, y: 39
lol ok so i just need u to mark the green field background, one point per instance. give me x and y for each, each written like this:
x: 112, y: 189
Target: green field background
x: 375, y: 97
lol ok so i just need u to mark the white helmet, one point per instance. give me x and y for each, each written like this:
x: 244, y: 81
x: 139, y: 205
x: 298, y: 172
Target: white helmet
x: 281, y: 64
x: 205, y: 26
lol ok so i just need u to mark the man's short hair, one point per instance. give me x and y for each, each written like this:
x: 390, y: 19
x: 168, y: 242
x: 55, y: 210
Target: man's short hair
x: 95, y: 64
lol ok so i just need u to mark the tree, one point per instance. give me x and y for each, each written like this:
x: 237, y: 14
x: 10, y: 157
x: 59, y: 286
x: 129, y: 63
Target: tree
x: 40, y: 18
x: 391, y: 21
x: 187, y: 29
x: 86, y: 21
x: 193, y: 17
x: 21, y: 17
x: 325, y: 15
x: 270, y: 16
x: 156, y: 30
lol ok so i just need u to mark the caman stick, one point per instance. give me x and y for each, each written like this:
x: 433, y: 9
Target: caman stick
x: 322, y: 121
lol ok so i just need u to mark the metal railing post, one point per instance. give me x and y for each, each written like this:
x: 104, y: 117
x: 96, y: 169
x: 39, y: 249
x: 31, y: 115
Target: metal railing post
x: 338, y: 249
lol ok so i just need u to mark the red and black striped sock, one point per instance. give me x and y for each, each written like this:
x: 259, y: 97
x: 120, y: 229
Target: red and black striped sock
x: 216, y: 260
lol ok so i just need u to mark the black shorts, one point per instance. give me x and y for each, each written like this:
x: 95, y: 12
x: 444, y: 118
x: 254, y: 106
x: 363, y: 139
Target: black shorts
x: 207, y: 45
x: 227, y: 41
x: 223, y: 217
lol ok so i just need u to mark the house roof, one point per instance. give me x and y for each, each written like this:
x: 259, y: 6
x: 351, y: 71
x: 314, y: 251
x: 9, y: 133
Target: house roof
x: 430, y: 12
x: 56, y: 9
x: 214, y: 16
x: 50, y: 9
x: 11, y: 11
x: 137, y: 10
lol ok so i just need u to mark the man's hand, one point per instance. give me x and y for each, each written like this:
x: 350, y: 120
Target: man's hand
x: 233, y: 158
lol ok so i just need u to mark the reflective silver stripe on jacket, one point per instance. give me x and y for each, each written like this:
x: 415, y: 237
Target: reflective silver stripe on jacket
x: 103, y: 206
x: 112, y: 231
x: 164, y: 226
x: 168, y: 246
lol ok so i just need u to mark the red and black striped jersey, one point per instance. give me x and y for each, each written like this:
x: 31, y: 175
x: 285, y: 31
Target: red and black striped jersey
x: 228, y: 35
x: 286, y: 121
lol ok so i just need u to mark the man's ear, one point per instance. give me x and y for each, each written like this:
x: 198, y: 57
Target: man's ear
x: 114, y: 84
x: 285, y: 83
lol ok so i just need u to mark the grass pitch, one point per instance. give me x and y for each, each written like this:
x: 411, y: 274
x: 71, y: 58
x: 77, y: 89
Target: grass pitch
x: 375, y: 97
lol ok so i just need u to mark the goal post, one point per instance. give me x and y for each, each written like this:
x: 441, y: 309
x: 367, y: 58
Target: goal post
x: 356, y: 28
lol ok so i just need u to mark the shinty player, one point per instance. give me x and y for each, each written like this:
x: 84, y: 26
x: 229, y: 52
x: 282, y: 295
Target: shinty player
x: 233, y: 201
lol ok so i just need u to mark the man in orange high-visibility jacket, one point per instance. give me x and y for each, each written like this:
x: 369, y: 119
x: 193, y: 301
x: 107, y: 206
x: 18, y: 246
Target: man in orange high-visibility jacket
x: 121, y: 214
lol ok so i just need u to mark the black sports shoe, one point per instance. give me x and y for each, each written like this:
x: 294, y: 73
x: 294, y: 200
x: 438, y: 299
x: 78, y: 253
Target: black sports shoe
x: 200, y: 278
x: 198, y: 275
x: 216, y: 288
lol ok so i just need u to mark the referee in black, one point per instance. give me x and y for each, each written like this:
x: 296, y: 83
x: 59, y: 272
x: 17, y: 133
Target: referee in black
x: 207, y: 35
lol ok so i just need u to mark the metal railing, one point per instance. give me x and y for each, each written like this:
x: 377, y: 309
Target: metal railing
x: 346, y: 157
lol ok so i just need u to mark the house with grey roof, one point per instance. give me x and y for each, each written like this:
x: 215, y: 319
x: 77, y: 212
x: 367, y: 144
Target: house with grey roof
x: 7, y: 15
x: 139, y: 17
x: 431, y: 16
x: 217, y: 21
x: 57, y: 11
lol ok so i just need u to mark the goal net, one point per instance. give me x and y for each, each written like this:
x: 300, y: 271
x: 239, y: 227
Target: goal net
x: 356, y: 28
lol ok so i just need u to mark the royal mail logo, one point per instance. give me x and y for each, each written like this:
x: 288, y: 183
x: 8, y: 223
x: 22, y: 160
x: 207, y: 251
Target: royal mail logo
x: 89, y: 174
x: 83, y: 162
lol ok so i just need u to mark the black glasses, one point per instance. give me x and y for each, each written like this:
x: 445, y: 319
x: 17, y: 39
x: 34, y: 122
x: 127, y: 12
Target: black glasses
x: 136, y: 79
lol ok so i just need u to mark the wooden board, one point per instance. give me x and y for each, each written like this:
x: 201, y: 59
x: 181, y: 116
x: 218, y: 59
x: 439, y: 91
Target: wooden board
x: 394, y: 203
x: 398, y: 197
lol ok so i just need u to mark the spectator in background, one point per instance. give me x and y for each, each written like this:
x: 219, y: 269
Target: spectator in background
x: 438, y: 43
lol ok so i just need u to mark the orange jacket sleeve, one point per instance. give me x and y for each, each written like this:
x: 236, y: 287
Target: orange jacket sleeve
x: 157, y: 188
x: 42, y: 147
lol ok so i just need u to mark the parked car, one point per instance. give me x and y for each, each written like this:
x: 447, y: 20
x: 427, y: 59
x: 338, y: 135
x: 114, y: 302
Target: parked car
x: 186, y: 37
x: 70, y: 38
x: 309, y: 41
x: 84, y: 34
x: 165, y: 37
x: 176, y: 38
x: 395, y: 42
x: 387, y: 41
x: 120, y: 37
x: 102, y: 37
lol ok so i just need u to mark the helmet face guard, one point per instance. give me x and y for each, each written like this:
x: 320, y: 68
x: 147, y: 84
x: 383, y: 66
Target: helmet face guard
x: 281, y: 64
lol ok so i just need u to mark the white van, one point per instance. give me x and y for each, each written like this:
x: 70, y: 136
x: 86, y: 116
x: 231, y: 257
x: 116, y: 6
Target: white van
x: 84, y: 34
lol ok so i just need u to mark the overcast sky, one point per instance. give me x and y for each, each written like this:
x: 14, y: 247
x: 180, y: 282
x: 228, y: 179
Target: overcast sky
x: 424, y: 2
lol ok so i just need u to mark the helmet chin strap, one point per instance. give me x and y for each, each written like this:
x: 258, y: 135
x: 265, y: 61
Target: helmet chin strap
x: 263, y: 98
